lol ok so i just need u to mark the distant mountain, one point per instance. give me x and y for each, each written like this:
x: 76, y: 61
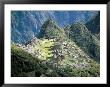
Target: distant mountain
x: 44, y: 47
x: 27, y: 24
x: 79, y: 33
x: 93, y: 25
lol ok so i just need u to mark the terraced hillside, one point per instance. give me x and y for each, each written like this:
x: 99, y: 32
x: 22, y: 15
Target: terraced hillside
x: 54, y: 58
x: 72, y: 51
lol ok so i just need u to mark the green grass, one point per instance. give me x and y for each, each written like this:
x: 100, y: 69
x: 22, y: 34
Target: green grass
x: 22, y: 63
x: 45, y: 48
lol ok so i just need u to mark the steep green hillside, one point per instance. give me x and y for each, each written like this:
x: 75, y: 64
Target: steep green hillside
x: 23, y: 63
x: 93, y: 25
x: 69, y: 52
x: 79, y: 33
x: 67, y: 60
x: 50, y: 30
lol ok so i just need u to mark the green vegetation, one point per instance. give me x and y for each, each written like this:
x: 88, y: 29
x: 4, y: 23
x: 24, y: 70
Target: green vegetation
x: 69, y: 52
x: 79, y: 33
x: 70, y: 72
x: 23, y: 62
x: 45, y: 48
x: 51, y: 30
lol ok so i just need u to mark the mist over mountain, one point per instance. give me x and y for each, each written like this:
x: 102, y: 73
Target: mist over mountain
x: 27, y: 24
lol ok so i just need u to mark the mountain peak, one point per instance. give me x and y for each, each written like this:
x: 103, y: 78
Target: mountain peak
x: 50, y: 29
x: 50, y: 23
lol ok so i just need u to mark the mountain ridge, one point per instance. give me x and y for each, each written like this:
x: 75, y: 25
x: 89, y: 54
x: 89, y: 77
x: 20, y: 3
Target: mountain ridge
x: 27, y: 24
x: 72, y: 51
x: 79, y: 33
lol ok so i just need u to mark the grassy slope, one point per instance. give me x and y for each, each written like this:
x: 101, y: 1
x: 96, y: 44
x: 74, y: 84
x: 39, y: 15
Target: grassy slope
x: 23, y: 62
